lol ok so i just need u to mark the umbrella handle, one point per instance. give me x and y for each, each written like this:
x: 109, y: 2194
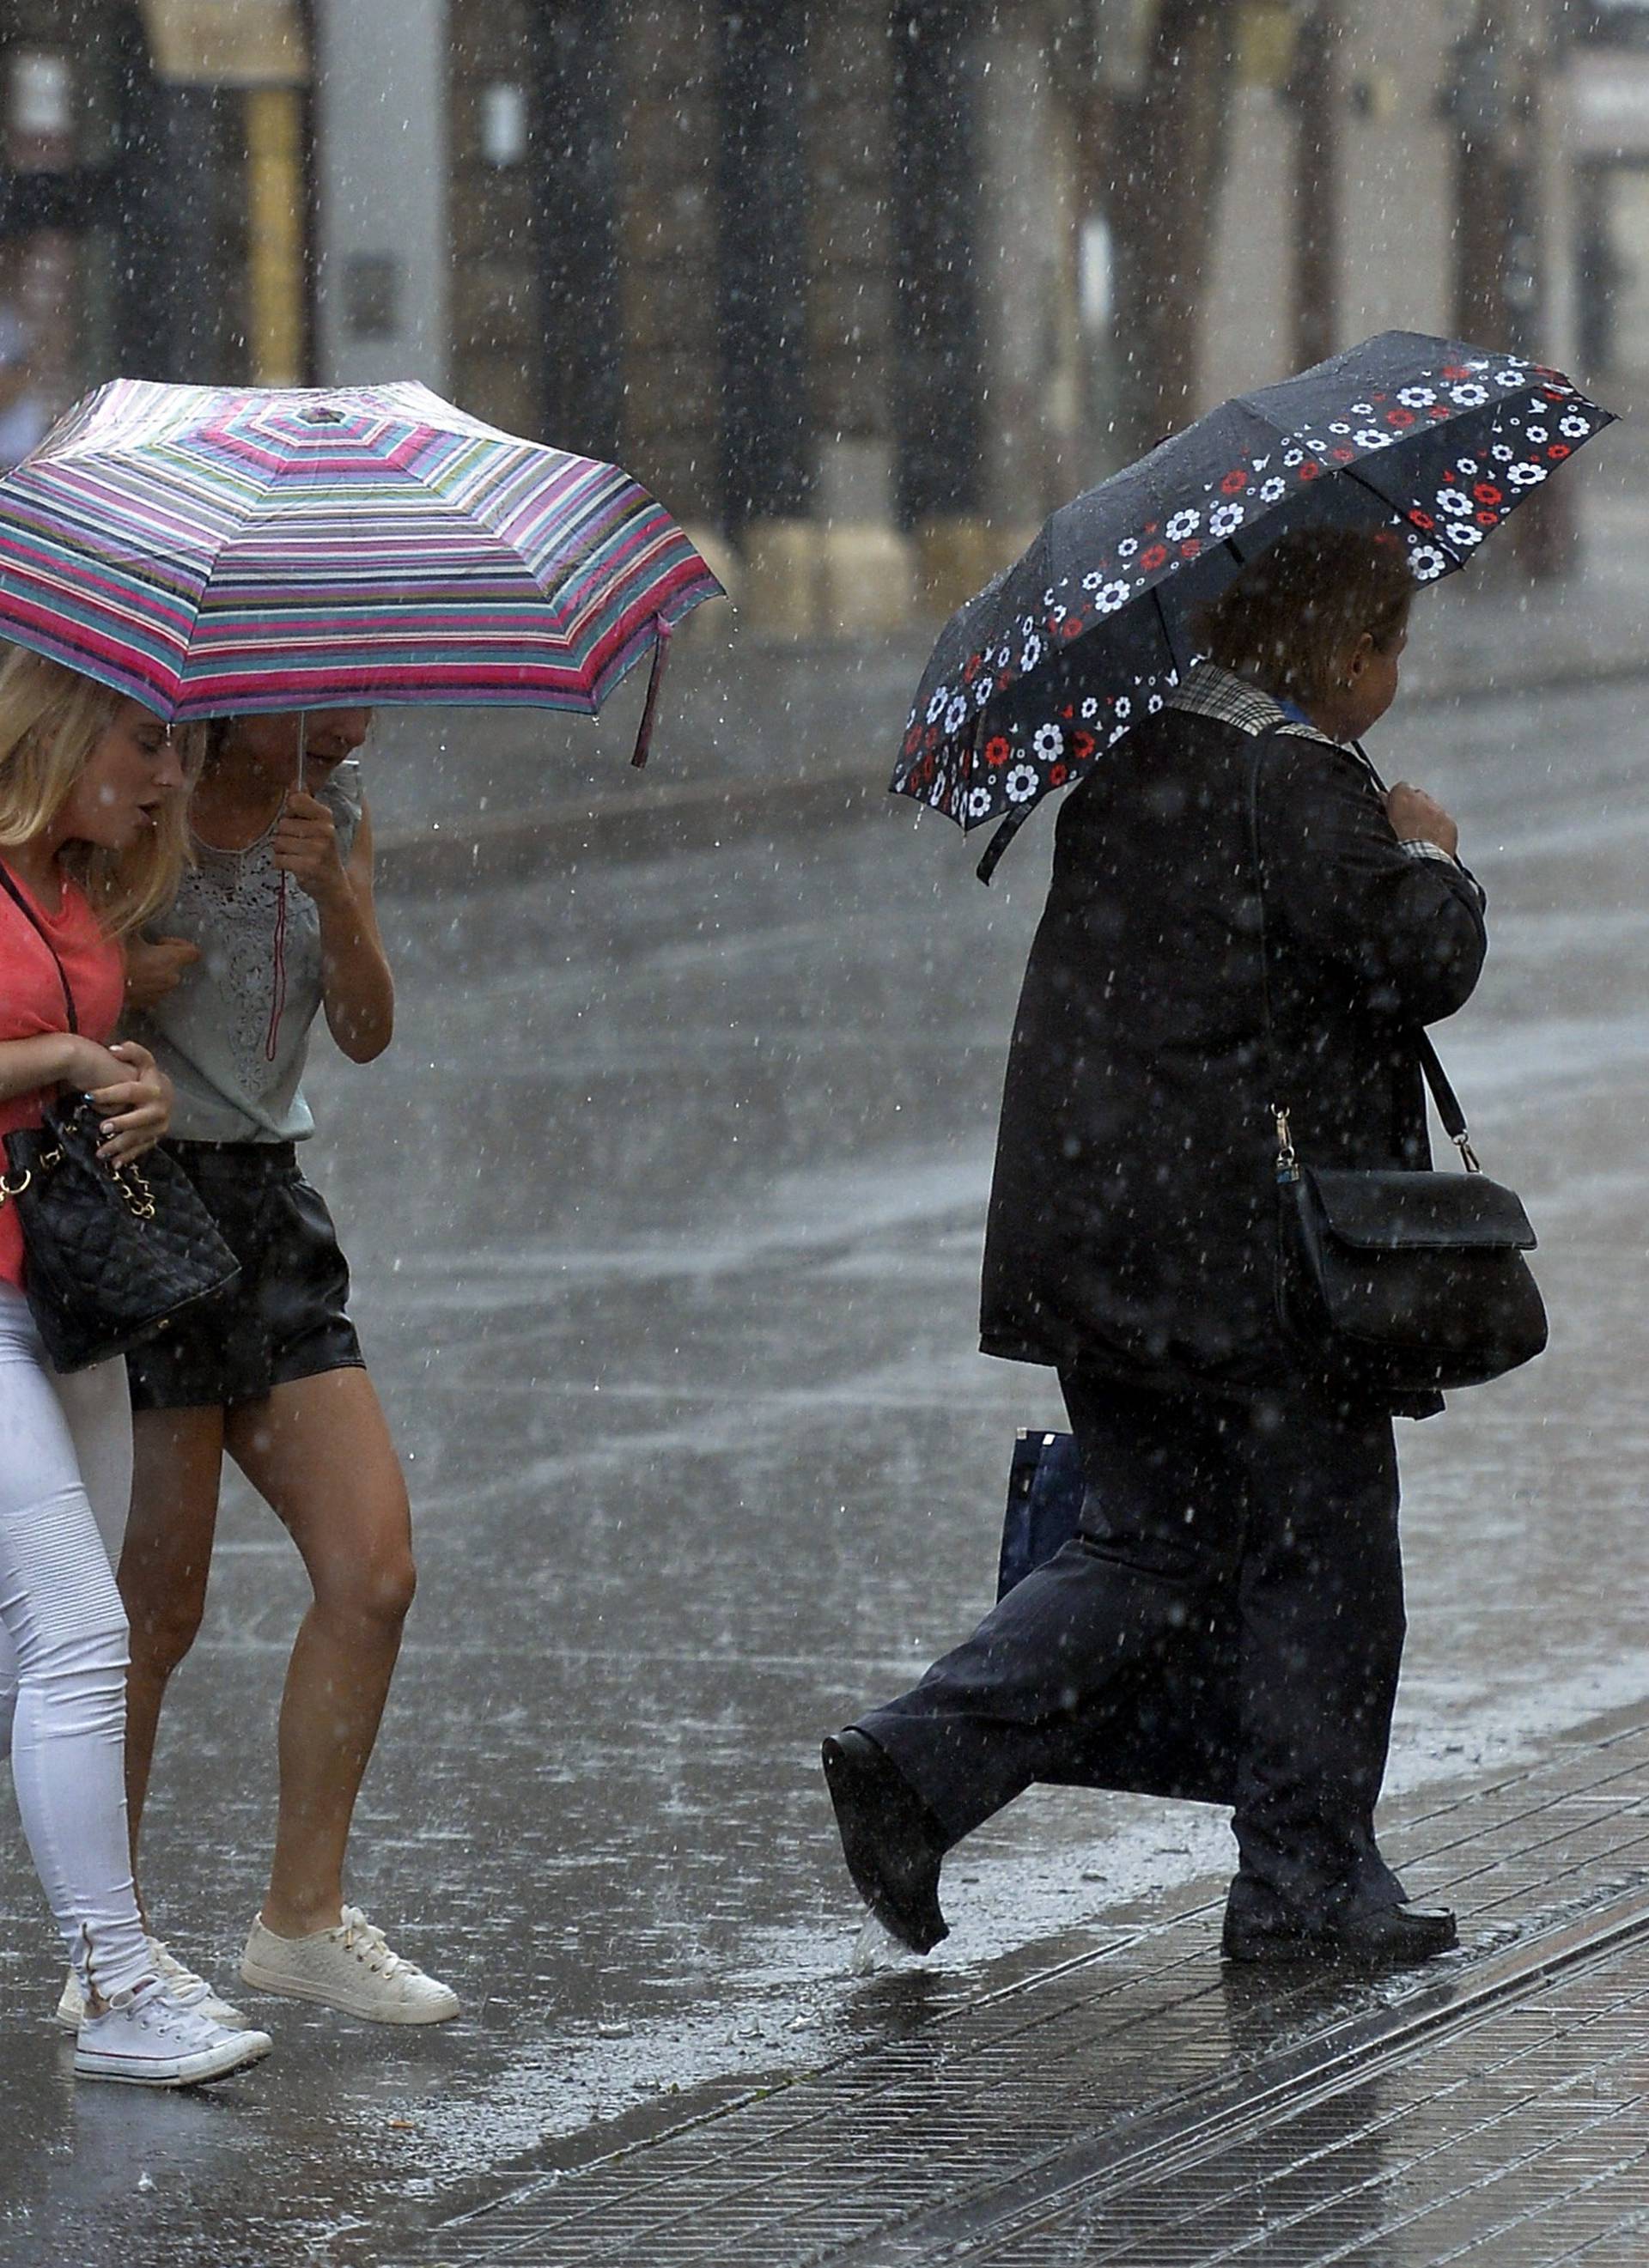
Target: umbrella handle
x: 1000, y: 843
x: 660, y: 655
x: 277, y: 991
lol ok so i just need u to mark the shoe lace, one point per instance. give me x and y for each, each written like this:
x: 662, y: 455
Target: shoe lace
x: 151, y: 2007
x: 172, y: 1971
x: 367, y: 1942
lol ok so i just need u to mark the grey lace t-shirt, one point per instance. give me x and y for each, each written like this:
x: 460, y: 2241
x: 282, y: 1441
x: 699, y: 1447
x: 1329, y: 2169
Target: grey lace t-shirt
x: 212, y: 1035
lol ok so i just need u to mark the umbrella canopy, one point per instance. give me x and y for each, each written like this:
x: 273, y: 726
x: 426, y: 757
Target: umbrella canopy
x: 212, y: 551
x: 1065, y: 652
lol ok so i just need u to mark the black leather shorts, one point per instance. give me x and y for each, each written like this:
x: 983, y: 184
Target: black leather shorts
x: 286, y: 1318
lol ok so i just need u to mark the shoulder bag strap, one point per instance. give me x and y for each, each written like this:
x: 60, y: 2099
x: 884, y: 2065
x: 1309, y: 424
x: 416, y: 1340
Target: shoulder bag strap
x: 35, y: 923
x: 1443, y: 1094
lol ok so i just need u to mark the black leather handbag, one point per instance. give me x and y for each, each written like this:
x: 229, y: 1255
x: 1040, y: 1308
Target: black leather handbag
x: 115, y: 1254
x: 1395, y: 1280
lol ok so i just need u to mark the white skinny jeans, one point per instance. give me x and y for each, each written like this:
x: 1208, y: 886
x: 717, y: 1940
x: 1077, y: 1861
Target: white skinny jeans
x: 65, y: 1445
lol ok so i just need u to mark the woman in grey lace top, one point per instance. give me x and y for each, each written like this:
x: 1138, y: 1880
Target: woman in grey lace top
x: 275, y: 926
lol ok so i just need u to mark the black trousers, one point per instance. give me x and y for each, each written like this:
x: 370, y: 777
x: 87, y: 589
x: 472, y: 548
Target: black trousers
x: 1239, y: 1565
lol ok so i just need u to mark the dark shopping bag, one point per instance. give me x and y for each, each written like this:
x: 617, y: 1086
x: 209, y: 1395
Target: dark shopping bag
x: 1173, y: 1734
x: 1045, y: 1489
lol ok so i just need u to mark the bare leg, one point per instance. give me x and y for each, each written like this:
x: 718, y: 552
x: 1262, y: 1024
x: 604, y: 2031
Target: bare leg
x: 177, y: 1469
x: 320, y: 1453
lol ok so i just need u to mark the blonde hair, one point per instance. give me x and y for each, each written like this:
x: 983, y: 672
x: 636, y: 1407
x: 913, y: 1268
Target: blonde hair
x: 51, y: 720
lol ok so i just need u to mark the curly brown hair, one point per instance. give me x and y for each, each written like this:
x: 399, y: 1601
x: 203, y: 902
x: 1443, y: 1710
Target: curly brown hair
x: 1294, y: 612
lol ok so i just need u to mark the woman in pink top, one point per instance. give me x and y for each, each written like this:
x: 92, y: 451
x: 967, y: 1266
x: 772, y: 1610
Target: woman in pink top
x: 91, y: 840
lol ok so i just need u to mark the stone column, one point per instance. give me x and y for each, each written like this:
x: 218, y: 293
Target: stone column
x: 1026, y: 238
x: 573, y: 185
x: 175, y: 305
x: 1270, y: 283
x: 498, y: 317
x: 939, y: 401
x: 1171, y: 137
x: 668, y: 238
x: 1315, y: 84
x: 1551, y: 129
x: 277, y: 346
x: 762, y: 198
x: 865, y: 564
x: 1396, y: 236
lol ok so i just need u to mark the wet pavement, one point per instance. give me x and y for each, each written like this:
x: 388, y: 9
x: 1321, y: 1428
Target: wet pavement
x: 665, y: 1211
x: 1137, y: 2102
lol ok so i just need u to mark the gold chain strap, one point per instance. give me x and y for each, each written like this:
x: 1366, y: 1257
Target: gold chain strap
x: 136, y: 1190
x: 140, y: 1198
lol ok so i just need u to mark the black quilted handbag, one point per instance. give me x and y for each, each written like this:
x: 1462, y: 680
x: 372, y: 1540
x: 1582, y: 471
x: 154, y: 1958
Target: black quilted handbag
x: 114, y: 1254
x: 1400, y: 1281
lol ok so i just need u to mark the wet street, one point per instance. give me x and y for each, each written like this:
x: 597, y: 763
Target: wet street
x: 665, y: 1212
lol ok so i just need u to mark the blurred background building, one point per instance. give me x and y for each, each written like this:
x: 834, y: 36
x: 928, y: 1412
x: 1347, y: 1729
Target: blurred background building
x: 153, y: 195
x: 861, y: 287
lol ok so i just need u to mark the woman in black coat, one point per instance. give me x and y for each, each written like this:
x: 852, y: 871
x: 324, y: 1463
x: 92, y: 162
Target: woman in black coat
x: 1239, y: 1566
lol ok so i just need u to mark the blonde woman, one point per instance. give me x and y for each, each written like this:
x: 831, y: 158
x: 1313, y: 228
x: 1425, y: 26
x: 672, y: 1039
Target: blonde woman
x: 91, y: 840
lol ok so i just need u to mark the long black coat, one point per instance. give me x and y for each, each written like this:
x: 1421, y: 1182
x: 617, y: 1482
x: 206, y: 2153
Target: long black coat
x: 1132, y: 1223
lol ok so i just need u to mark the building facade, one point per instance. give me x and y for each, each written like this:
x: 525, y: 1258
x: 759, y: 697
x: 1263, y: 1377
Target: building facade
x: 860, y: 287
x: 864, y: 287
x: 153, y: 196
x: 743, y: 249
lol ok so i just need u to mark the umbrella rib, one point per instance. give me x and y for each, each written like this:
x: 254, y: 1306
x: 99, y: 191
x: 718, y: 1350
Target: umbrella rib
x: 1350, y: 473
x: 1162, y: 624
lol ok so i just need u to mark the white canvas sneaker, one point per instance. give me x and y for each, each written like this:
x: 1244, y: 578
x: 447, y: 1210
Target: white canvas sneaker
x: 144, y: 2039
x: 186, y: 1988
x: 349, y: 1968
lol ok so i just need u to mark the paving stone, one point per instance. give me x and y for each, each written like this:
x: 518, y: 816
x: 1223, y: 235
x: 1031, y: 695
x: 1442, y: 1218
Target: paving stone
x: 1020, y: 2129
x: 1455, y: 2169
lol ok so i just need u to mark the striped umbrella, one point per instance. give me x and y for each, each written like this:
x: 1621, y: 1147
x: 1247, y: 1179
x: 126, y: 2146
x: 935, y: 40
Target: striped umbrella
x: 212, y: 551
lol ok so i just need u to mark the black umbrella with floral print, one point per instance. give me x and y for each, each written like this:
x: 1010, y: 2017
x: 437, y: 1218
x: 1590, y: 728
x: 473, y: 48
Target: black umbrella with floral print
x: 1063, y: 654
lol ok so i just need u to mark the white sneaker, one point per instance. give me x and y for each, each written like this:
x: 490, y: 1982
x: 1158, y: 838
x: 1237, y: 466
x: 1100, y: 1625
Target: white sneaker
x: 186, y: 1988
x: 349, y: 1968
x: 144, y: 2039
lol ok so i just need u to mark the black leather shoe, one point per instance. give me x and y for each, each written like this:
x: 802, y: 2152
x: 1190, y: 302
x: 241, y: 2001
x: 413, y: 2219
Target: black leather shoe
x: 891, y: 1841
x: 1378, y: 1937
